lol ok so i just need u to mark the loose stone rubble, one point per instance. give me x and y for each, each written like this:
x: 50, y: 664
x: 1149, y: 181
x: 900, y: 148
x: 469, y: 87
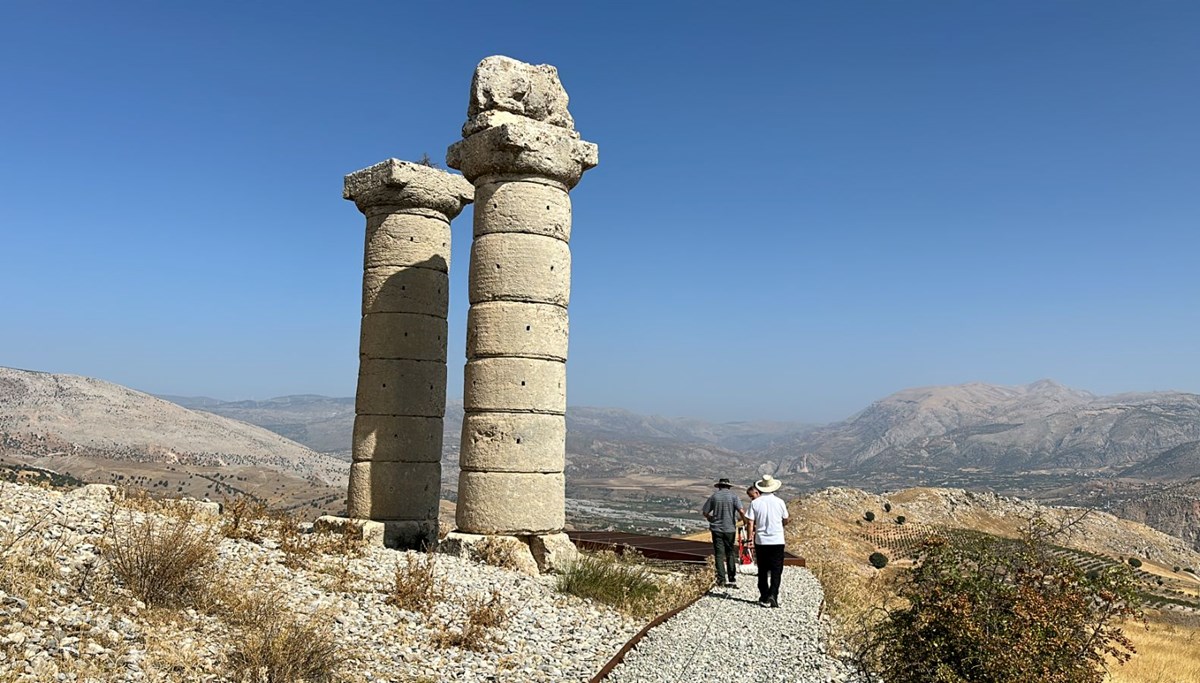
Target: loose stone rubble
x: 54, y: 630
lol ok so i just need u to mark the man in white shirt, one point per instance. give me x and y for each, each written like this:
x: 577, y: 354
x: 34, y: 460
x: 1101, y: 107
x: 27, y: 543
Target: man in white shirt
x: 768, y: 515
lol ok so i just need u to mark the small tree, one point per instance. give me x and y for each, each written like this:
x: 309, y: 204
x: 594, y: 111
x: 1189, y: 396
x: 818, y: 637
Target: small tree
x: 869, y: 516
x: 900, y: 519
x: 887, y: 507
x: 878, y: 560
x: 982, y: 608
x: 1135, y: 562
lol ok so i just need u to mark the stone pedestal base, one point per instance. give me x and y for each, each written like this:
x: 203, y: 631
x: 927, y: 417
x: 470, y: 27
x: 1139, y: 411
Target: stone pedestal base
x: 370, y: 533
x: 410, y: 534
x: 531, y: 554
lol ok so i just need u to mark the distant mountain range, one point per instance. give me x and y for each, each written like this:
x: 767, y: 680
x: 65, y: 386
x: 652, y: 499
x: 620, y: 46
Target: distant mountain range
x: 1041, y: 429
x: 1135, y: 454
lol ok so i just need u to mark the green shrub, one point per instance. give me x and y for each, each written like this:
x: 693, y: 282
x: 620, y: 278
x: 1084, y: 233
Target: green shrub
x: 878, y: 560
x: 887, y: 507
x: 606, y: 578
x: 1135, y: 562
x: 869, y: 516
x: 900, y: 519
x: 982, y: 608
x: 1175, y: 569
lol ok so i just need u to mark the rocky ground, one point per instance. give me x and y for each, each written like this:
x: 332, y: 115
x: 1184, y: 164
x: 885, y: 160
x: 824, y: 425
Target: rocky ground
x: 64, y: 616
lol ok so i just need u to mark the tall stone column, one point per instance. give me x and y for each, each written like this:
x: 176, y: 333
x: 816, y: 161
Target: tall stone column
x: 395, y: 476
x: 522, y: 152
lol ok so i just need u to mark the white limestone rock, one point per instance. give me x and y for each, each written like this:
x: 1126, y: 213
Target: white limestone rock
x: 504, y: 84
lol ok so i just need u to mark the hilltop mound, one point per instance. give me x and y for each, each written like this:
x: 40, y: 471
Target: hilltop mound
x: 44, y: 414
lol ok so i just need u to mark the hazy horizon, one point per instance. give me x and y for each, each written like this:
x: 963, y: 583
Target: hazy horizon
x: 709, y: 418
x: 799, y: 208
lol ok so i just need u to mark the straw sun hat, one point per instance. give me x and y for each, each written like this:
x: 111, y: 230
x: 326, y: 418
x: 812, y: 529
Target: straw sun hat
x: 768, y: 484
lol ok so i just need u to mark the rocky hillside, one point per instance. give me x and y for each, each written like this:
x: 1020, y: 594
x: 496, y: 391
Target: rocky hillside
x: 1172, y: 508
x: 838, y: 528
x: 322, y: 423
x: 62, y: 419
x: 1042, y: 426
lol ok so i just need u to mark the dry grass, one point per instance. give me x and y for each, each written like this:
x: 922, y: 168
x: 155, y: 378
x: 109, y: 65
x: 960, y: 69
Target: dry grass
x: 162, y: 561
x: 27, y: 560
x: 497, y: 553
x: 417, y: 586
x: 1166, y: 653
x: 483, y: 615
x: 243, y: 517
x: 303, y: 549
x: 274, y: 645
x: 287, y: 648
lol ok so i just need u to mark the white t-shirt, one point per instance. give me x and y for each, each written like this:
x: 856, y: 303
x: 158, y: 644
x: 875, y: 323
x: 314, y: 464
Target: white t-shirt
x: 768, y: 512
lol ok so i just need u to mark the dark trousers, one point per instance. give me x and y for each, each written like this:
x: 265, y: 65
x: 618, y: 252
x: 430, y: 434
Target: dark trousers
x: 770, y: 570
x: 725, y: 555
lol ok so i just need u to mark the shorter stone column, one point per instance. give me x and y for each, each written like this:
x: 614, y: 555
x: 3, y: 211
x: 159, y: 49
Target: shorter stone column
x: 396, y: 473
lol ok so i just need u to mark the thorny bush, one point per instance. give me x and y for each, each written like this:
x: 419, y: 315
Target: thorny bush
x: 984, y: 609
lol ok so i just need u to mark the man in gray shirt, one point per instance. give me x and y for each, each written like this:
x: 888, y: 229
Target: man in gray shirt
x: 722, y: 510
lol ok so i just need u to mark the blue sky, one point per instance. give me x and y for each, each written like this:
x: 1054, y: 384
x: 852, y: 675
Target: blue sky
x: 800, y: 207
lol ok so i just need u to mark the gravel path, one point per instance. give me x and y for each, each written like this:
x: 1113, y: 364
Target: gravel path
x: 727, y: 636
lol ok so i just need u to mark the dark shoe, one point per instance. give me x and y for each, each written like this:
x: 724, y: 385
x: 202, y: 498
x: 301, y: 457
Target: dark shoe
x: 773, y: 602
x: 764, y: 602
x: 732, y: 584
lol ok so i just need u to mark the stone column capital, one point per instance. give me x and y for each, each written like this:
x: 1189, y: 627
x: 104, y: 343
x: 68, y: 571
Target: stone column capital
x: 519, y: 146
x: 403, y: 185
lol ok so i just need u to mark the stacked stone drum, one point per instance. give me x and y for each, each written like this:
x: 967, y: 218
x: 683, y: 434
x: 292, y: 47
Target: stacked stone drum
x: 395, y: 476
x: 522, y: 153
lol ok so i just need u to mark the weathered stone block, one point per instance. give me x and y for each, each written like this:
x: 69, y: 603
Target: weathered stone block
x: 513, y: 442
x: 405, y: 239
x: 515, y: 385
x: 394, y: 490
x: 198, y: 509
x: 399, y: 289
x: 506, y: 552
x: 365, y: 530
x: 505, y: 84
x: 410, y: 534
x: 401, y: 387
x: 409, y: 336
x: 96, y: 492
x: 403, y: 184
x: 510, y: 503
x: 520, y: 267
x: 507, y: 328
x: 525, y: 206
x: 523, y: 147
x: 391, y: 438
x: 552, y: 552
